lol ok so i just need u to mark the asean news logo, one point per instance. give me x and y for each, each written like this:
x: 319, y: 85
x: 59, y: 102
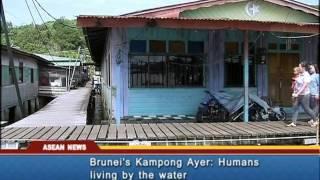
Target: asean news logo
x: 252, y: 9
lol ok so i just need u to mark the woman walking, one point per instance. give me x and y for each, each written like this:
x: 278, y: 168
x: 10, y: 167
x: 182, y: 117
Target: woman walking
x: 301, y: 95
x: 314, y: 89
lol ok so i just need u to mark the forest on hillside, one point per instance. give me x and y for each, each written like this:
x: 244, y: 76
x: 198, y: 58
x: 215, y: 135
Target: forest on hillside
x: 57, y: 38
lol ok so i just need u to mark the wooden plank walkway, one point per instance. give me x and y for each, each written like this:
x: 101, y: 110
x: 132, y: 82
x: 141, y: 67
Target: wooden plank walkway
x: 209, y: 133
x: 69, y: 109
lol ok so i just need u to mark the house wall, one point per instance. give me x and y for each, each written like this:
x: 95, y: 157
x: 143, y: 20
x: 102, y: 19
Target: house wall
x: 119, y: 66
x: 266, y: 11
x: 114, y: 72
x: 28, y: 90
x: 128, y: 101
x: 161, y: 101
x: 263, y: 40
x: 217, y: 42
x: 164, y: 101
x: 105, y: 71
x: 122, y: 100
x: 310, y: 52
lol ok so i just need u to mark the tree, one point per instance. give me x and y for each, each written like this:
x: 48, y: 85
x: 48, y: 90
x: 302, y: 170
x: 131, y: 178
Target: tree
x: 60, y: 37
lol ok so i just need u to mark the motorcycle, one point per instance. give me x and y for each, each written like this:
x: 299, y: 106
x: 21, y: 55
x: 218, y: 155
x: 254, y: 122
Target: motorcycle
x: 221, y: 106
x: 263, y: 111
x: 210, y: 110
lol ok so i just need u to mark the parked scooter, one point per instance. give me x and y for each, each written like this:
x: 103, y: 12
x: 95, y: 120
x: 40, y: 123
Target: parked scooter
x: 211, y: 110
x: 221, y: 106
x: 261, y: 110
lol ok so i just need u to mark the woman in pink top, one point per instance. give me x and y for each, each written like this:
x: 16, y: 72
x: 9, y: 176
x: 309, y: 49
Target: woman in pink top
x: 301, y: 95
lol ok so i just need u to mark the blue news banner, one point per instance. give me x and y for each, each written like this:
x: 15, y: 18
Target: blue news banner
x: 202, y: 167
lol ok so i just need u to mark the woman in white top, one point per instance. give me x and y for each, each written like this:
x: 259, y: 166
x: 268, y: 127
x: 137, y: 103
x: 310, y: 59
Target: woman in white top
x: 314, y: 88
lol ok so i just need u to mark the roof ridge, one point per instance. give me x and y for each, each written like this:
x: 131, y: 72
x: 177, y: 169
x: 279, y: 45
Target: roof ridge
x: 302, y: 6
x: 167, y: 6
x: 25, y: 53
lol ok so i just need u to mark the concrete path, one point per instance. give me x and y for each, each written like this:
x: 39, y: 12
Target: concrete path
x: 69, y: 109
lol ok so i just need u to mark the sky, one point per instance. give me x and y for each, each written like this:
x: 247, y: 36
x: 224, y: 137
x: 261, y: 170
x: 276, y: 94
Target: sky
x: 16, y: 11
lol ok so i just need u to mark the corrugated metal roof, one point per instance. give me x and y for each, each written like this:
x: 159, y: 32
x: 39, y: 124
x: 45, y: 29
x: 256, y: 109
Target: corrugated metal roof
x: 185, y: 19
x: 61, y: 61
x: 55, y: 58
x: 34, y: 56
x: 166, y: 11
x: 266, y: 12
x: 67, y: 63
x: 169, y: 17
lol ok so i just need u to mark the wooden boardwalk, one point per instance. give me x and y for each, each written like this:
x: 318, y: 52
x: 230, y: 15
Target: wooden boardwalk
x: 66, y: 110
x: 168, y: 133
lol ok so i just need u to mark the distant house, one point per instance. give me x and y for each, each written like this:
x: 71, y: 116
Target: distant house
x: 27, y: 67
x: 74, y: 67
x: 159, y: 61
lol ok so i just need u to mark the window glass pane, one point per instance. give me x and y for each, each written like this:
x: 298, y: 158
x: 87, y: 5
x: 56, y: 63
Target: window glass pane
x: 138, y: 46
x: 44, y: 78
x: 251, y: 47
x: 234, y: 64
x: 295, y: 47
x: 185, y: 71
x: 20, y: 72
x: 234, y: 72
x: 272, y: 46
x: 32, y: 76
x: 138, y: 71
x: 157, y: 71
x: 10, y: 76
x: 162, y: 69
x: 195, y: 47
x: 157, y: 46
x: 283, y: 46
x: 177, y: 47
x: 231, y: 48
x: 109, y: 70
x: 166, y: 71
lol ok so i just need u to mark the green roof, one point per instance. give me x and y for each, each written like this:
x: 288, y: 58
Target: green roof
x: 61, y: 61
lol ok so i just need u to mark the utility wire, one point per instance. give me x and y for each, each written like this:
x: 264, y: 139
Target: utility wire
x: 53, y: 16
x: 57, y: 20
x: 38, y: 30
x: 33, y: 20
x: 43, y: 22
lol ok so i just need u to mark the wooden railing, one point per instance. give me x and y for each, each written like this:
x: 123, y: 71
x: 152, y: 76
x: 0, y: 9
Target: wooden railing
x: 50, y: 91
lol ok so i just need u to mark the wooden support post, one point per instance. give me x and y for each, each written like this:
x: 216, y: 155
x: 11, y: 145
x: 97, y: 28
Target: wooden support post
x: 246, y: 75
x: 11, y: 62
x: 74, y: 66
x: 67, y: 87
